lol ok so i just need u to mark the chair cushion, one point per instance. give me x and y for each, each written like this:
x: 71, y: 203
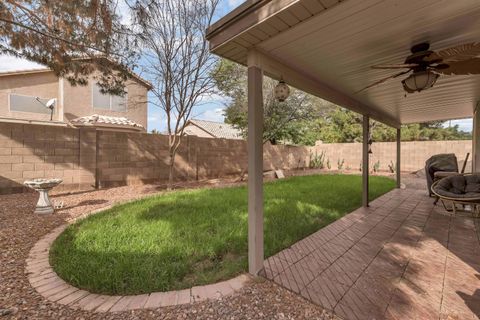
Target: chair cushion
x: 443, y: 174
x: 459, y: 186
x: 472, y: 183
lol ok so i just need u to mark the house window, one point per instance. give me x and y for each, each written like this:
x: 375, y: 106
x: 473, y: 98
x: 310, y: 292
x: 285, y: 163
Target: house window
x: 107, y: 101
x: 30, y: 104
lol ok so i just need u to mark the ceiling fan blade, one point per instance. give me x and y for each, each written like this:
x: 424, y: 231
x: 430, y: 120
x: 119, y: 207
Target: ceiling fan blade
x: 395, y: 66
x: 458, y: 53
x: 465, y: 67
x: 383, y: 80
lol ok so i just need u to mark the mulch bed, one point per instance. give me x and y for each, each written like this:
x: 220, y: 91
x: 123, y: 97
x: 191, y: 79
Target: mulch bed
x: 20, y: 229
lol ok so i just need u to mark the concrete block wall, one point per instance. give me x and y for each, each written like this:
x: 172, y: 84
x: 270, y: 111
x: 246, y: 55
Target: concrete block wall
x: 86, y: 158
x: 33, y: 151
x: 135, y: 158
x: 413, y: 153
x: 131, y: 158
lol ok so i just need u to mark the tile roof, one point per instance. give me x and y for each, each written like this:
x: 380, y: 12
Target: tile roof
x: 216, y: 129
x: 96, y: 119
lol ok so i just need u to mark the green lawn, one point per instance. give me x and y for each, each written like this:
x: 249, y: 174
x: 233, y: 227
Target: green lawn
x: 186, y: 238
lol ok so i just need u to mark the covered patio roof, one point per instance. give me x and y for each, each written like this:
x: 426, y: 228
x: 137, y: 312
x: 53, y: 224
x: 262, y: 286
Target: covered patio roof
x: 327, y: 48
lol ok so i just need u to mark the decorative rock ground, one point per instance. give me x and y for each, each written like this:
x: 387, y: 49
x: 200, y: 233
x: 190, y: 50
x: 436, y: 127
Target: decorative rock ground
x: 20, y: 231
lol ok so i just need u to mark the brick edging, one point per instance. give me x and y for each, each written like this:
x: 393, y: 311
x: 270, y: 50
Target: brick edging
x: 48, y: 284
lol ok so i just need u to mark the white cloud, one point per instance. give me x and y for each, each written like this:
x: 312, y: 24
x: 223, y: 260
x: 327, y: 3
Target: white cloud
x: 213, y: 99
x: 463, y: 124
x: 10, y: 63
x: 212, y: 115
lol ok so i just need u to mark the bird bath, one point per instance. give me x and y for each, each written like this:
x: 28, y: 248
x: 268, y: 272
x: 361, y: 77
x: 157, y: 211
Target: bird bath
x: 44, y: 206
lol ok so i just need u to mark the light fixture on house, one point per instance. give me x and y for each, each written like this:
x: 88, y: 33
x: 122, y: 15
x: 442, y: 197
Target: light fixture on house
x: 419, y: 81
x: 282, y: 91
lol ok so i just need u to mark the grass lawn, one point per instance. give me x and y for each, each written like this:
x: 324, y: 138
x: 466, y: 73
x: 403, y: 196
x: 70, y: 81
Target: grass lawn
x: 186, y: 238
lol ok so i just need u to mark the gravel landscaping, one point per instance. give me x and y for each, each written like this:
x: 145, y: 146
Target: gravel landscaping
x: 20, y: 230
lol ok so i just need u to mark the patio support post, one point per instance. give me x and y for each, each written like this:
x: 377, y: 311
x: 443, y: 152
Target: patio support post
x: 255, y: 165
x: 365, y: 156
x: 476, y: 140
x: 397, y: 169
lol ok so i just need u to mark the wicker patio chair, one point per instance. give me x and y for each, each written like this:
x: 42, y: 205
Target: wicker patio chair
x: 459, y: 190
x: 440, y: 166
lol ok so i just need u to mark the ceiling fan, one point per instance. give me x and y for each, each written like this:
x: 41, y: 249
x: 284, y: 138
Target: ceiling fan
x: 427, y: 65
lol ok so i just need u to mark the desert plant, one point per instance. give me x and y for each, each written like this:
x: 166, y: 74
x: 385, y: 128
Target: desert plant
x: 329, y: 166
x: 392, y: 167
x: 317, y: 161
x: 376, y: 166
x: 340, y: 164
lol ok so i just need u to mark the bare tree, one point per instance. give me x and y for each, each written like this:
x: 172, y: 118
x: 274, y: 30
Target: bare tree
x: 74, y: 38
x: 176, y: 60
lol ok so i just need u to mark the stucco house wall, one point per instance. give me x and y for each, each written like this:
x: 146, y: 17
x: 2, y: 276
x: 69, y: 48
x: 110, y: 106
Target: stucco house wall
x: 77, y: 100
x: 39, y: 84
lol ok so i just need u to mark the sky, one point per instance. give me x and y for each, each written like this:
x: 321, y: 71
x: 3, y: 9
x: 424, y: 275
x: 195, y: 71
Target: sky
x: 211, y: 108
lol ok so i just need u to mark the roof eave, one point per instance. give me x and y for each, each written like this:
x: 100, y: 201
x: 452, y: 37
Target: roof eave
x: 22, y: 72
x: 133, y: 75
x: 239, y: 12
x: 109, y: 126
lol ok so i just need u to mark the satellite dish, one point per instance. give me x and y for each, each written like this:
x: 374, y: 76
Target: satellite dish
x: 50, y: 103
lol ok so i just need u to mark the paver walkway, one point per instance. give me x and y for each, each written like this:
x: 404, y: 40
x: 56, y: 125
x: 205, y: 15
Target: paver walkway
x: 402, y: 258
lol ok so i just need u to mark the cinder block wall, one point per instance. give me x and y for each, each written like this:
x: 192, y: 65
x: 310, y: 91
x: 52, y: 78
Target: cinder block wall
x: 33, y: 151
x: 86, y: 158
x: 413, y: 154
x: 135, y: 158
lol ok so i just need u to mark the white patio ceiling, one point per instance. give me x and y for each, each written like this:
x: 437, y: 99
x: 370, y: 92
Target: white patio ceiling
x: 335, y: 43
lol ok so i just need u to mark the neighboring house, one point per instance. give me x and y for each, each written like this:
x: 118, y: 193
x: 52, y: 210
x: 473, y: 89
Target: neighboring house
x: 74, y: 105
x: 211, y: 129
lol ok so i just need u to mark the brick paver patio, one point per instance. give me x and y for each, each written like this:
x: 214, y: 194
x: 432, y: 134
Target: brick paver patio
x: 402, y: 258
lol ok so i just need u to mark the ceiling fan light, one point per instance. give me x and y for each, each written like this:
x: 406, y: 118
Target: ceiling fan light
x: 419, y: 81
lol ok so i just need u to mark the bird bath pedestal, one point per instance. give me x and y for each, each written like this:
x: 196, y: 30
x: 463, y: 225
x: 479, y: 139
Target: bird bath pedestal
x: 44, y: 206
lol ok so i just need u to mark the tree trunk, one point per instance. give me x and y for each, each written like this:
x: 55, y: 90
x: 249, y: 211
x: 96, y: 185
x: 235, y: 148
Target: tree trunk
x: 171, y: 170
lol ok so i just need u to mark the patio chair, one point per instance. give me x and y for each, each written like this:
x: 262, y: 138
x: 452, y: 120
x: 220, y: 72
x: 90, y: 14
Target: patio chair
x: 440, y: 166
x: 460, y: 189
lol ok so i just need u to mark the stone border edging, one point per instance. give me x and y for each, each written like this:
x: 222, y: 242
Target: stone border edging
x: 49, y: 285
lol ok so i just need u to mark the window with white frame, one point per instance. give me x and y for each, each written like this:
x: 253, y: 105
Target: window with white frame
x: 107, y: 101
x: 24, y: 103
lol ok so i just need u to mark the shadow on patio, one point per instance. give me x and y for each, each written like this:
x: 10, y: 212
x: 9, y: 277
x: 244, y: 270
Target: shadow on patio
x: 402, y: 258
